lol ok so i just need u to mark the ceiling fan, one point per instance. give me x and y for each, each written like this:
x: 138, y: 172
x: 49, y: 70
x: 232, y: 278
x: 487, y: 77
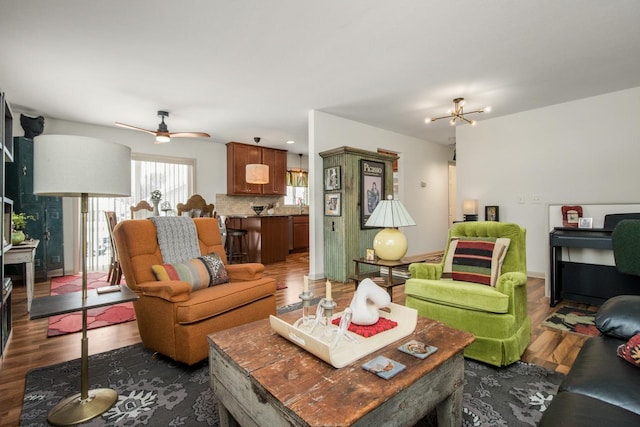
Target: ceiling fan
x: 162, y: 134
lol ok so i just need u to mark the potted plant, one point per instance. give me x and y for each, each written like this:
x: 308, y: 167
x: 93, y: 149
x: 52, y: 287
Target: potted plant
x: 19, y: 223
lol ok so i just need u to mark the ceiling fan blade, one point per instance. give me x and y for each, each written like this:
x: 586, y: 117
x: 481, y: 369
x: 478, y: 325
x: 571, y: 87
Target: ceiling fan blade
x: 152, y: 132
x: 189, y: 134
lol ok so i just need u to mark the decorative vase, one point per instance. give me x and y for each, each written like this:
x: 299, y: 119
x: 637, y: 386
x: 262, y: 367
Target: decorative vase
x: 156, y: 212
x: 17, y: 237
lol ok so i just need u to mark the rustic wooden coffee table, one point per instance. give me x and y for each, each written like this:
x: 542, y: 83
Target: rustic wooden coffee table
x: 260, y: 378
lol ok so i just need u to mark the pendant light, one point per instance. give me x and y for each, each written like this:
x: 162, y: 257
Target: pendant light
x: 257, y: 173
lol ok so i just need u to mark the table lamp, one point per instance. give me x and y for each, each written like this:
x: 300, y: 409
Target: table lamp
x: 390, y: 244
x: 79, y: 166
x: 470, y: 210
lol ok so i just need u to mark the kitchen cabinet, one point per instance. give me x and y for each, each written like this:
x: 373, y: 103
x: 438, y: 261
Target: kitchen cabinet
x: 300, y: 233
x: 277, y: 162
x: 240, y: 155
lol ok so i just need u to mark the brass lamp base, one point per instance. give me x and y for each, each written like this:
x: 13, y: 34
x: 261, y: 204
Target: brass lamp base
x: 74, y: 410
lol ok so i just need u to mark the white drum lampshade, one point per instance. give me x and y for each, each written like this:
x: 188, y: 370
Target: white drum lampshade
x: 70, y: 165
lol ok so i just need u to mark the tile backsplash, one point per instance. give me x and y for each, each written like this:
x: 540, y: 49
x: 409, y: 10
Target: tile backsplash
x: 241, y: 205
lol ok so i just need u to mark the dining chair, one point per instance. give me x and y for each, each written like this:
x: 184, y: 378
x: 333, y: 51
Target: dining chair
x: 115, y: 271
x: 197, y: 207
x: 139, y: 210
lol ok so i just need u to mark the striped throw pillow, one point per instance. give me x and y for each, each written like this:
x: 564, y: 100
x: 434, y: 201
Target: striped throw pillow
x: 477, y: 260
x: 200, y: 272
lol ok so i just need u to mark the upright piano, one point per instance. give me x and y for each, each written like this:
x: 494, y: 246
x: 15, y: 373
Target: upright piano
x: 584, y: 282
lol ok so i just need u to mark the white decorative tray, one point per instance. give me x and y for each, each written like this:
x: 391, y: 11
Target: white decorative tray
x: 348, y: 351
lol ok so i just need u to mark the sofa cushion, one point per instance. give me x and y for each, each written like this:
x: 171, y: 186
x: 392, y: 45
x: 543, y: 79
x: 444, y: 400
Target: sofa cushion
x: 200, y: 272
x: 630, y: 351
x: 619, y: 316
x: 599, y: 372
x: 475, y: 260
x: 465, y: 295
x: 573, y: 409
x: 216, y: 300
x: 216, y: 268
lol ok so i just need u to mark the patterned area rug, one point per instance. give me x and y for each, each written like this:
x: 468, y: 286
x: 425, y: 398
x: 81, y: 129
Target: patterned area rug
x: 573, y: 320
x: 97, y: 317
x: 153, y: 390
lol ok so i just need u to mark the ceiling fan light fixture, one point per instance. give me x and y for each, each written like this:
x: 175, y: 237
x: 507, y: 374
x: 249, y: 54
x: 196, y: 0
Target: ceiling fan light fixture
x: 162, y: 139
x: 162, y: 135
x: 458, y: 113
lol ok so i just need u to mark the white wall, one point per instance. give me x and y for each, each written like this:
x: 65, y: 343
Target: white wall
x: 419, y: 161
x: 580, y: 152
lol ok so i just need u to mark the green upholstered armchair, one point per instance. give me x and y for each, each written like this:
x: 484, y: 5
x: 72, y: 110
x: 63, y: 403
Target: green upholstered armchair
x: 497, y: 316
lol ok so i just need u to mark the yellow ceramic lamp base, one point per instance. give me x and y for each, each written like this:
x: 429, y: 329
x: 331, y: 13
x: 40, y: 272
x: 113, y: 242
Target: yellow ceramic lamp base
x: 390, y: 244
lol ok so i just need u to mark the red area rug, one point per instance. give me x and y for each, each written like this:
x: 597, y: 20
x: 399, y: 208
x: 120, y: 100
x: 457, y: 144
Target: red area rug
x: 97, y: 317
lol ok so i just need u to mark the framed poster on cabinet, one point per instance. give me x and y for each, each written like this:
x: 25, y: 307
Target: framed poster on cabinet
x: 371, y: 188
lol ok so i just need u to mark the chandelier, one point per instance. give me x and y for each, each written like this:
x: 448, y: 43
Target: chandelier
x: 458, y: 113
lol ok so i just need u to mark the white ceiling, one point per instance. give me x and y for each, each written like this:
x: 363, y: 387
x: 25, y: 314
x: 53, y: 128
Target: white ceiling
x: 244, y: 68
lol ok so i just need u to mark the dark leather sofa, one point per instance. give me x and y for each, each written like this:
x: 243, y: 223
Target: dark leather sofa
x: 602, y: 389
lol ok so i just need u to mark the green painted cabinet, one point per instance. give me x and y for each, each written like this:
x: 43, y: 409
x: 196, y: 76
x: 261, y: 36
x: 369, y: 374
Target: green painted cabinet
x: 47, y: 211
x: 344, y: 237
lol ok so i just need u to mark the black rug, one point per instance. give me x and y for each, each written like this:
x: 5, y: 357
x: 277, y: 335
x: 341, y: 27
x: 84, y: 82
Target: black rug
x: 152, y: 390
x: 155, y: 391
x: 516, y: 395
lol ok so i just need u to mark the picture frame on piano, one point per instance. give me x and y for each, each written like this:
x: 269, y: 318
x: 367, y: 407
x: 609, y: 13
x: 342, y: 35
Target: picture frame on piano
x: 585, y: 222
x: 571, y: 215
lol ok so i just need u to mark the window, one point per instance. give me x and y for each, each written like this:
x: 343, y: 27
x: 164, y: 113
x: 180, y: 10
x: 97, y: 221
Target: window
x: 297, y: 188
x: 173, y: 176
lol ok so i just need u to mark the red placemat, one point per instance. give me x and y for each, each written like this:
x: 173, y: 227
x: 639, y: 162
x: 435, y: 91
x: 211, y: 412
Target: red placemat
x: 383, y: 324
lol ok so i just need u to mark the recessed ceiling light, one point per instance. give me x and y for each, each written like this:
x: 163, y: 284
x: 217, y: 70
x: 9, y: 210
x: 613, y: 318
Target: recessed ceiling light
x: 291, y: 142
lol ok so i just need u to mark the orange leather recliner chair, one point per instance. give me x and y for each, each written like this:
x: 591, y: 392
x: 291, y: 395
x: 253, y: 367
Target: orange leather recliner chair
x: 172, y: 318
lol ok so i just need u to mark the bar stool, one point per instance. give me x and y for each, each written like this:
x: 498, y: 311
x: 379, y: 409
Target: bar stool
x: 236, y: 243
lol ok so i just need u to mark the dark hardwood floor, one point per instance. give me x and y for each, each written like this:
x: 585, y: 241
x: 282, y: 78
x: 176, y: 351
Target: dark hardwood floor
x: 30, y: 348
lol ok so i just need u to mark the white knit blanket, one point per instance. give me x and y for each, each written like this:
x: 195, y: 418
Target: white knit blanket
x: 177, y: 238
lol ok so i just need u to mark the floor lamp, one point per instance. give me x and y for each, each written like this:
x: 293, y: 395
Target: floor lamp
x: 78, y: 166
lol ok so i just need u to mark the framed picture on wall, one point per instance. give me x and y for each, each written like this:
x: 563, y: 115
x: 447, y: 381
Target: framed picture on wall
x: 332, y: 178
x: 492, y: 213
x: 371, y: 188
x: 332, y: 204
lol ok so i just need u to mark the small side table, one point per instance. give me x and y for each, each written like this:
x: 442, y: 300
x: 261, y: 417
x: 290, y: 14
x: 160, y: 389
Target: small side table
x: 389, y: 279
x: 24, y: 253
x: 68, y: 303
